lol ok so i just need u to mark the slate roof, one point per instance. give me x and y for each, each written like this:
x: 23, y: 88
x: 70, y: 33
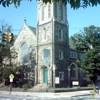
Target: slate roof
x: 15, y: 36
x: 71, y: 43
x: 33, y: 29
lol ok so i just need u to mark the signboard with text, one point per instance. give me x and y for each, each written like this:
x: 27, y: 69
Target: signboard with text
x: 57, y: 81
x: 75, y: 83
x: 11, y: 79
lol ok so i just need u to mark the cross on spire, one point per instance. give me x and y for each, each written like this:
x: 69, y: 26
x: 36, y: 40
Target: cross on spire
x: 24, y: 19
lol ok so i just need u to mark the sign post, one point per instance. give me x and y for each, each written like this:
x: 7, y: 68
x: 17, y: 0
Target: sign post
x: 11, y: 77
x: 57, y: 80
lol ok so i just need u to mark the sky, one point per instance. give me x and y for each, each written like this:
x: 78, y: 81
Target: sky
x: 78, y: 19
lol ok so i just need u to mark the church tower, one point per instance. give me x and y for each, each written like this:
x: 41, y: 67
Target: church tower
x: 52, y: 44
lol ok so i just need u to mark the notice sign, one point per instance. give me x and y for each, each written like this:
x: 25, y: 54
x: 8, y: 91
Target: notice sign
x: 11, y: 79
x: 11, y: 76
x: 75, y: 83
x: 57, y: 80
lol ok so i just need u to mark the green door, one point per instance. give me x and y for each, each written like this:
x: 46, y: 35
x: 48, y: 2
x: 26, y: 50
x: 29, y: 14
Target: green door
x: 45, y: 75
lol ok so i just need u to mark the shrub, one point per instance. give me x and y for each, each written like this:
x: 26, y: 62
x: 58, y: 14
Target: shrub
x: 90, y: 85
x: 30, y: 85
x: 2, y: 84
x: 25, y: 87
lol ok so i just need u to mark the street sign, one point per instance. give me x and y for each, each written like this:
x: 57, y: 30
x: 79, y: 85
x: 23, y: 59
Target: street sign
x: 11, y: 79
x: 11, y: 76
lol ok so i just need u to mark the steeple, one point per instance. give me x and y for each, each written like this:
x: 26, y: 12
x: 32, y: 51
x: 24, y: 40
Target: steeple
x: 49, y: 11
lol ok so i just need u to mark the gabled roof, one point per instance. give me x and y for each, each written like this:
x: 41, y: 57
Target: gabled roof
x: 71, y: 44
x: 33, y: 29
x: 14, y: 37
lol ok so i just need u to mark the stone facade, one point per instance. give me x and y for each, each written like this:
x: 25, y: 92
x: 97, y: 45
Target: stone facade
x: 53, y: 35
x: 46, y: 48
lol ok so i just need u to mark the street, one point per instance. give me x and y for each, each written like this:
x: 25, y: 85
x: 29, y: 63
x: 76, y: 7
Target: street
x: 17, y: 97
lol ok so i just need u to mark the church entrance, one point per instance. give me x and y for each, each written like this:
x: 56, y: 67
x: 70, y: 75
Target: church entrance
x: 45, y: 75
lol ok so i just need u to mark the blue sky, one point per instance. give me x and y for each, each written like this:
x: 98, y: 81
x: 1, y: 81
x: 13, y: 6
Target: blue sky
x: 78, y: 19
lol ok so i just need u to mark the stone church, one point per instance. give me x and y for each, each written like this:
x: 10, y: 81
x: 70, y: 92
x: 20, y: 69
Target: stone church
x: 46, y: 48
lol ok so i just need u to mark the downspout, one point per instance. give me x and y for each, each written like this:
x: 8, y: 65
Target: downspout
x: 53, y: 56
x: 37, y: 53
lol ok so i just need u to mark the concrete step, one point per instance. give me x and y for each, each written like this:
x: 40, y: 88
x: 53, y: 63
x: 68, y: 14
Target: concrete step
x: 39, y: 87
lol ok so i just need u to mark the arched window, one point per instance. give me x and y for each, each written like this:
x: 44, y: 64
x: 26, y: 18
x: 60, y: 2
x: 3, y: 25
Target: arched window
x: 42, y: 13
x: 60, y: 54
x: 46, y: 56
x: 73, y: 71
x: 71, y: 54
x: 55, y: 6
x: 44, y: 35
x: 62, y: 12
x: 75, y: 55
x: 61, y: 75
x: 24, y: 54
x: 81, y: 56
x: 49, y: 10
x: 60, y: 34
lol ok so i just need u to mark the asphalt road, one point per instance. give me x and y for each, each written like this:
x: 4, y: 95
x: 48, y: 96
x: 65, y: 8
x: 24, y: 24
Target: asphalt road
x: 12, y: 97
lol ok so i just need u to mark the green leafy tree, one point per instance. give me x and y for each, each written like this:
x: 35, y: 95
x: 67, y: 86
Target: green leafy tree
x: 5, y: 76
x: 7, y: 71
x: 75, y: 4
x: 5, y: 52
x: 88, y: 42
x: 4, y: 48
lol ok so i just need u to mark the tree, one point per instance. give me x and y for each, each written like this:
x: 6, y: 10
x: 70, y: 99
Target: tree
x: 88, y: 42
x: 4, y: 46
x: 6, y: 72
x: 75, y: 4
x: 5, y: 52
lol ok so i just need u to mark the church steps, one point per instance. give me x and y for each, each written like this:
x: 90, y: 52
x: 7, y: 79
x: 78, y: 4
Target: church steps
x: 39, y: 88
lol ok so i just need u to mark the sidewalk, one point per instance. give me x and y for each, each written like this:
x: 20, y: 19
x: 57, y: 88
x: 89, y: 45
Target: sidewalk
x: 53, y: 95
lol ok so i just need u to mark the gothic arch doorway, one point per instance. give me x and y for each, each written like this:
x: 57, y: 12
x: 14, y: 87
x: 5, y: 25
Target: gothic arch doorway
x: 73, y: 72
x: 45, y: 75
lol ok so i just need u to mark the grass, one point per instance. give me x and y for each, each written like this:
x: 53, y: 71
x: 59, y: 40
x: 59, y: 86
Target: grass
x: 71, y: 88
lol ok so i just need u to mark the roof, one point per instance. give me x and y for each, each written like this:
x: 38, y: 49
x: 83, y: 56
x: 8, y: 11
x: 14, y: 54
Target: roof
x: 71, y: 43
x: 33, y: 29
x: 15, y: 36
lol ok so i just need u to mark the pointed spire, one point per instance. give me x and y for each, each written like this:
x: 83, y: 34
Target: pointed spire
x: 24, y: 20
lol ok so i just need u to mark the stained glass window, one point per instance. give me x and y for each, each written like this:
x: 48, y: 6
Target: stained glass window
x: 24, y: 53
x: 46, y: 56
